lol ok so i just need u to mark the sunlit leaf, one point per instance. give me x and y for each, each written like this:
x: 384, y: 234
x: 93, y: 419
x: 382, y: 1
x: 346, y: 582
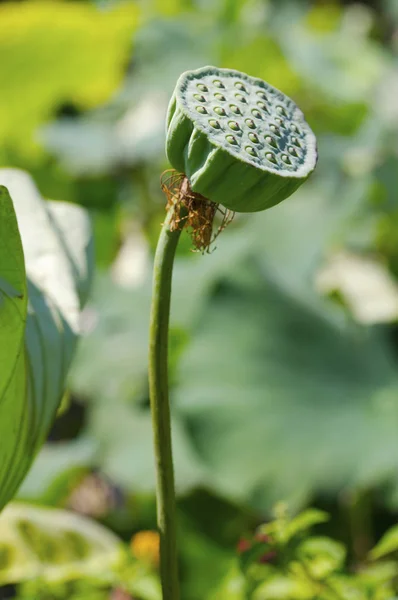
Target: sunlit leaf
x: 53, y: 544
x: 387, y: 544
x: 55, y: 53
x: 321, y: 556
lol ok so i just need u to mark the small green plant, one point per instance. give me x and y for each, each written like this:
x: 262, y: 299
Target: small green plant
x: 234, y: 141
x: 285, y: 559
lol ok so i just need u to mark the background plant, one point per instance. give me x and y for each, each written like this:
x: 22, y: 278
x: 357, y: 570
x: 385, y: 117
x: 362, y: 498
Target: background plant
x: 305, y: 293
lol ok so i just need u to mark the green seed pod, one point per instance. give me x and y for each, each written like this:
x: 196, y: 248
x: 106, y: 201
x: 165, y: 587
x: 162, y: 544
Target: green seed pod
x: 226, y: 168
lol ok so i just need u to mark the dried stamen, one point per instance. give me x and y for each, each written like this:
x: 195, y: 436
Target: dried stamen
x: 200, y: 211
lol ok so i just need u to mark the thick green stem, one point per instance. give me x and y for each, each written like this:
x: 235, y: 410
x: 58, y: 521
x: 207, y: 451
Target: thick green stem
x: 159, y: 394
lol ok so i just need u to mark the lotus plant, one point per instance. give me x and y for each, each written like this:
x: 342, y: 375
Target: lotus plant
x: 236, y: 144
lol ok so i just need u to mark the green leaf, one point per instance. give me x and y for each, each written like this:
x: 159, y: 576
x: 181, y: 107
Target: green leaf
x: 322, y: 556
x: 53, y: 544
x: 13, y: 307
x: 56, y: 466
x: 57, y: 246
x: 305, y: 521
x: 13, y: 298
x: 267, y: 379
x: 387, y: 544
x: 233, y: 586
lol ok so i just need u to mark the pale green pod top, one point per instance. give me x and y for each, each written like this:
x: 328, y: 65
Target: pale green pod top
x: 241, y: 142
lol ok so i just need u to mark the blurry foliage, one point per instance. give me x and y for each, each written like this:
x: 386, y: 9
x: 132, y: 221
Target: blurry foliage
x: 57, y: 54
x: 279, y: 389
x: 287, y: 557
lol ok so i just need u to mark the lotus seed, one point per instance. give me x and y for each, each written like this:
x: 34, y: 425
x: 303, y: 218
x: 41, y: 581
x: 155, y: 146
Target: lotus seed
x: 270, y: 140
x: 240, y: 97
x: 262, y: 95
x: 286, y: 159
x: 234, y: 125
x: 235, y: 109
x: 218, y: 83
x: 271, y: 157
x: 262, y: 106
x: 280, y: 122
x: 281, y: 111
x: 199, y: 98
x: 296, y: 142
x: 201, y: 110
x: 240, y: 86
x: 256, y: 113
x: 219, y: 97
x: 253, y: 138
x: 250, y: 123
x: 202, y: 87
x: 231, y: 139
x: 294, y: 128
x: 214, y: 124
x: 250, y: 150
x: 220, y: 111
x: 275, y: 130
x: 292, y: 151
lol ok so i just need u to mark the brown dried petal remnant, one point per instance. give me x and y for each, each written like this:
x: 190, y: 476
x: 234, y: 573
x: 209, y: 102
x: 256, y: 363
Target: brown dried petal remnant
x: 199, y: 213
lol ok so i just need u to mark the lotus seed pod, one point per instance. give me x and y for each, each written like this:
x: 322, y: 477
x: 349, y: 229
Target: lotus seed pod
x: 241, y: 142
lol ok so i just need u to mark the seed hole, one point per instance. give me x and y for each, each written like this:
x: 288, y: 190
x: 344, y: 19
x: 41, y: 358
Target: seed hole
x: 262, y: 106
x: 281, y: 111
x: 214, y: 123
x: 235, y: 109
x: 286, y: 159
x: 271, y: 157
x: 250, y: 123
x: 292, y: 151
x: 202, y: 87
x: 275, y: 130
x: 234, y: 125
x: 240, y: 86
x: 256, y: 113
x: 220, y: 111
x: 231, y: 139
x: 262, y: 95
x: 250, y: 150
x: 280, y: 122
x: 240, y: 98
x: 253, y: 138
x: 270, y: 140
x: 218, y: 83
x: 219, y: 97
x: 199, y: 98
x: 201, y: 110
x: 296, y: 142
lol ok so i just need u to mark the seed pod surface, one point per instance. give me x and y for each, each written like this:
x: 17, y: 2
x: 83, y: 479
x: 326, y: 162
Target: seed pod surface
x: 245, y: 162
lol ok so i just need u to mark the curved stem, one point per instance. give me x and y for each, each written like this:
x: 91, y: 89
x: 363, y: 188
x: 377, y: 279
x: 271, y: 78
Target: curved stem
x: 159, y: 395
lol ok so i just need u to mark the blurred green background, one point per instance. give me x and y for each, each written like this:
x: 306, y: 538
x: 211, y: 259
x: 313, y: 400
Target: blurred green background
x: 284, y: 343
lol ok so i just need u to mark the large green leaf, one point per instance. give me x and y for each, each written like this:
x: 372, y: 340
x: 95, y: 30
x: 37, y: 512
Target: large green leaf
x: 280, y: 400
x: 13, y: 299
x: 57, y: 246
x: 13, y: 306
